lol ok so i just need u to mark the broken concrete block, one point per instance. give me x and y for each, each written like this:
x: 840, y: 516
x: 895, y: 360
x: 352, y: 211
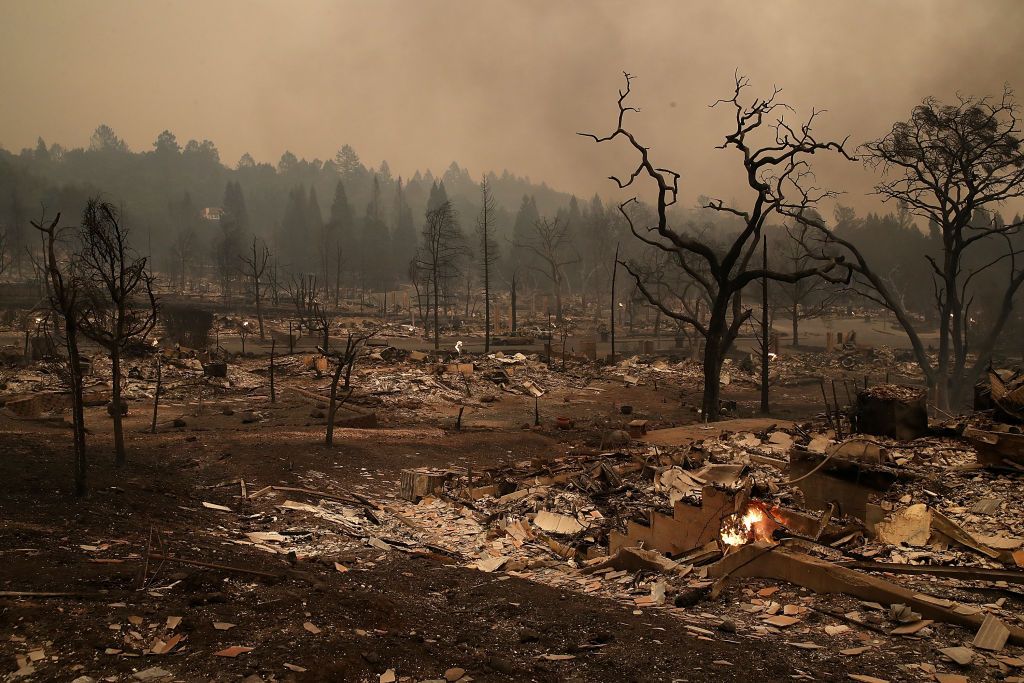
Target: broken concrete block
x: 557, y: 523
x: 637, y: 428
x: 992, y: 635
x: 911, y: 525
x: 689, y: 527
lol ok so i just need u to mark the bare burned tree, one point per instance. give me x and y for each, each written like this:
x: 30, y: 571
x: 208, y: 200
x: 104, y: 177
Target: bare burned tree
x: 64, y: 300
x: 183, y: 250
x: 438, y: 259
x: 5, y: 257
x: 675, y: 288
x: 551, y: 243
x: 344, y: 360
x: 773, y: 154
x: 952, y: 164
x: 419, y: 285
x: 488, y: 252
x: 309, y: 297
x: 339, y: 262
x: 807, y: 298
x: 226, y: 248
x: 301, y: 289
x: 513, y: 291
x: 255, y: 267
x: 118, y: 304
x: 274, y: 280
x: 467, y: 276
x: 323, y: 316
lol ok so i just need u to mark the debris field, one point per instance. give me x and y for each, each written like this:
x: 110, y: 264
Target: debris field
x: 506, y: 517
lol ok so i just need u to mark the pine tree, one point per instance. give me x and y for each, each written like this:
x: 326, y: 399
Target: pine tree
x: 105, y: 140
x: 438, y: 196
x: 347, y: 161
x: 439, y: 256
x: 234, y: 207
x: 403, y: 239
x: 294, y: 236
x: 488, y: 252
x: 340, y: 244
x: 315, y: 230
x: 522, y: 232
x: 376, y: 242
x: 314, y: 217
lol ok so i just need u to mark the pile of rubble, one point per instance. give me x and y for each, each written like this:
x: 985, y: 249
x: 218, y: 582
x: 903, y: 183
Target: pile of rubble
x: 884, y: 540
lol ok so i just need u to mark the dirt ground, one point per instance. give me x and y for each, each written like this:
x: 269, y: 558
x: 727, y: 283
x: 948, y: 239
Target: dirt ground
x: 418, y: 613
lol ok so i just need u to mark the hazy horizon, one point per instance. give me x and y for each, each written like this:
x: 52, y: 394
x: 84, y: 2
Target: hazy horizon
x: 492, y: 86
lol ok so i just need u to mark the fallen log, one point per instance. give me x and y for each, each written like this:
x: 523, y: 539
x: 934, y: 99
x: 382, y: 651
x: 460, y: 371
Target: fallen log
x: 353, y: 500
x: 634, y: 559
x: 764, y: 560
x: 45, y: 594
x: 213, y: 565
x: 966, y: 573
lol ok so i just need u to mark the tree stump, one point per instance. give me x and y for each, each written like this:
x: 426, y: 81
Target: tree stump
x: 420, y: 483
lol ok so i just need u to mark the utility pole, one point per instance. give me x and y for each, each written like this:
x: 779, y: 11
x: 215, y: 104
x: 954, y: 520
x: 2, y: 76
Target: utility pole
x: 512, y: 312
x: 156, y: 394
x: 764, y: 326
x: 615, y: 267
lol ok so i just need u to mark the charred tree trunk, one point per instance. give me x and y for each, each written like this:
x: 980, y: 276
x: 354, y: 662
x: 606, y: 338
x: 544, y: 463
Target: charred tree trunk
x: 259, y: 309
x: 337, y: 276
x: 437, y: 328
x: 77, y: 404
x: 273, y: 348
x: 714, y: 354
x: 115, y: 367
x: 487, y: 300
x: 712, y: 379
x: 513, y: 304
x: 795, y: 317
x: 156, y: 394
x: 558, y: 300
x: 332, y: 407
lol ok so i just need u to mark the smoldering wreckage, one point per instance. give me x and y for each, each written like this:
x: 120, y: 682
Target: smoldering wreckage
x: 866, y: 530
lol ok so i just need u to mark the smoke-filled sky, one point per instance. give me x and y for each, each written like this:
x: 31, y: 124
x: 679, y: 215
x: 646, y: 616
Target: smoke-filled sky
x: 492, y: 85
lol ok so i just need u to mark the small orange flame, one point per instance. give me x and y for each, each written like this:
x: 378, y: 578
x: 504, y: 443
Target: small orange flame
x: 752, y: 525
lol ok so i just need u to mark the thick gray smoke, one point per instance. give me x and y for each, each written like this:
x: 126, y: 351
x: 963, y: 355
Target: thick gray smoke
x: 493, y: 85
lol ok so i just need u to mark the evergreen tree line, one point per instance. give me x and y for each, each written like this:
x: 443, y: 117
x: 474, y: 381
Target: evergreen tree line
x: 354, y: 226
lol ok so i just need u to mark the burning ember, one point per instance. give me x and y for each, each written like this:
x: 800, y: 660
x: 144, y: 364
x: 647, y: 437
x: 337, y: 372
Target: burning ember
x: 755, y: 524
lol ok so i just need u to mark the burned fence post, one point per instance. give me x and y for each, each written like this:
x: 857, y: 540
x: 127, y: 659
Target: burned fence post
x: 156, y: 394
x: 828, y: 409
x: 273, y: 347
